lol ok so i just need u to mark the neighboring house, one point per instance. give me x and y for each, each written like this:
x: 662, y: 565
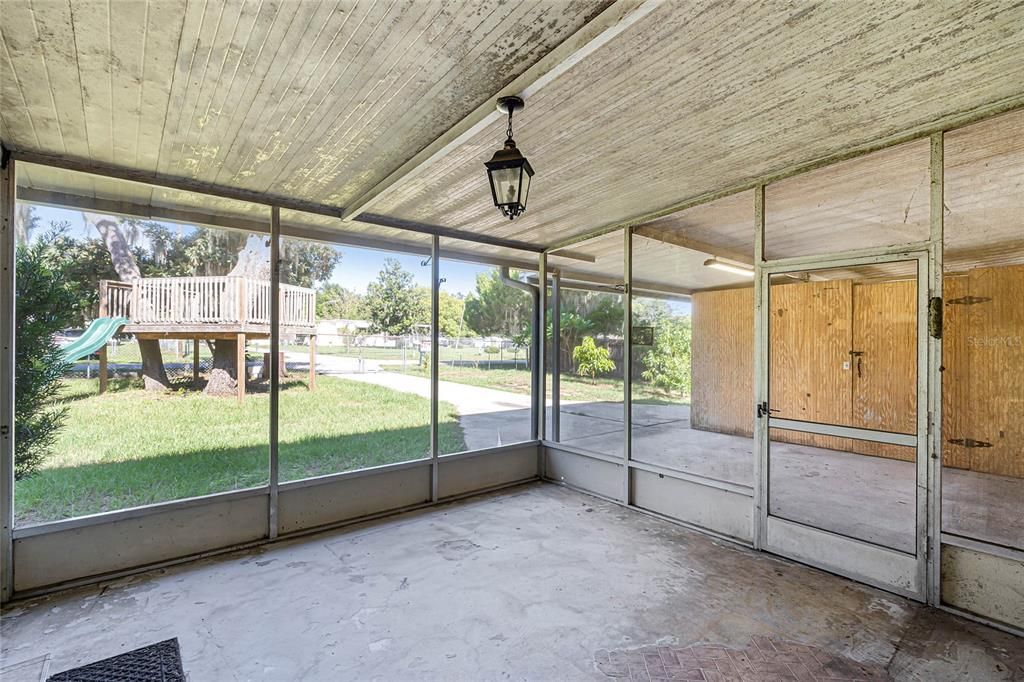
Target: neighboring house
x: 333, y: 332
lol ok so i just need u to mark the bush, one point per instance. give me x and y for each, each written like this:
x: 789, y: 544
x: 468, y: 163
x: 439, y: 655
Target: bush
x: 590, y: 359
x: 668, y: 362
x: 47, y: 301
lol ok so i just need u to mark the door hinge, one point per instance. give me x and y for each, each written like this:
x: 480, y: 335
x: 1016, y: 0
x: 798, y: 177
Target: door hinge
x: 935, y: 317
x: 969, y: 300
x: 969, y: 443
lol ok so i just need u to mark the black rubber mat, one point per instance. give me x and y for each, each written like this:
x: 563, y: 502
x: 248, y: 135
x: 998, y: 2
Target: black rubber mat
x: 160, y: 662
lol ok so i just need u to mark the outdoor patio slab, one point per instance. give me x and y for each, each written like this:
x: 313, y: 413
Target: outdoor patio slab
x: 869, y: 498
x: 534, y: 583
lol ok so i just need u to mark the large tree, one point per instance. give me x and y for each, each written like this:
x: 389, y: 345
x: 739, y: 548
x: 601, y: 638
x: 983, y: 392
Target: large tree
x: 335, y: 302
x: 198, y: 252
x: 391, y: 300
x: 153, y: 372
x: 450, y: 313
x: 496, y: 308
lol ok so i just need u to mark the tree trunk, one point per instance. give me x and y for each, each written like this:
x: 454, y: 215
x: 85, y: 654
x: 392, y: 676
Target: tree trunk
x: 223, y: 375
x: 153, y: 372
x: 254, y: 259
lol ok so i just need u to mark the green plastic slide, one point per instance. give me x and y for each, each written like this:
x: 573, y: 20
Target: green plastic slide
x: 100, y: 331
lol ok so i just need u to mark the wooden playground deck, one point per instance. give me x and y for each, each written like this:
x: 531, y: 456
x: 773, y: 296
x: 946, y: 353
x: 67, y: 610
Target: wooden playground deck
x: 208, y: 308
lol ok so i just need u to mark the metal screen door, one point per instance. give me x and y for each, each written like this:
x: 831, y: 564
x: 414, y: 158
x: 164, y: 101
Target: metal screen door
x: 842, y: 415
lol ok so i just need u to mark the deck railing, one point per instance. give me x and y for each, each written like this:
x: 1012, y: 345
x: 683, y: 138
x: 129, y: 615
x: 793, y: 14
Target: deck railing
x: 205, y: 300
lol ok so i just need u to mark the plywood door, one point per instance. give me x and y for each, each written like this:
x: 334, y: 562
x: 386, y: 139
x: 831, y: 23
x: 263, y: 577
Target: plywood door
x: 884, y: 375
x: 723, y: 361
x: 810, y: 337
x: 995, y: 347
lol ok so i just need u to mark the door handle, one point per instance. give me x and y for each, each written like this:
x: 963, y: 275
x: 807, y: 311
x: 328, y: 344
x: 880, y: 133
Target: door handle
x: 860, y: 367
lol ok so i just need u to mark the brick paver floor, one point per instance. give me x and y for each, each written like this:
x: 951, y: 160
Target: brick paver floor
x: 765, y: 659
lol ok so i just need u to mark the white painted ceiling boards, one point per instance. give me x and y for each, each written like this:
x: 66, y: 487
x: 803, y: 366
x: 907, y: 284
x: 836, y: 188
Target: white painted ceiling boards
x: 371, y: 108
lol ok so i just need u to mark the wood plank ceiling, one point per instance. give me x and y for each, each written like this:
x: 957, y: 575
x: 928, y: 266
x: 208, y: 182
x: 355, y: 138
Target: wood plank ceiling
x: 702, y: 96
x: 314, y: 100
x: 322, y: 100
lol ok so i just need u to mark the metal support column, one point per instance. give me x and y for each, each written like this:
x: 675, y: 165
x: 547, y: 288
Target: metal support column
x: 556, y: 356
x: 7, y: 288
x: 934, y: 387
x: 275, y: 364
x: 627, y: 364
x: 760, y: 530
x: 435, y: 287
x: 540, y: 403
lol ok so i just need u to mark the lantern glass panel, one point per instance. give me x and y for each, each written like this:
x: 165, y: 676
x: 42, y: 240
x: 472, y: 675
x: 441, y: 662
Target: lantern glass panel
x: 525, y: 190
x: 506, y: 185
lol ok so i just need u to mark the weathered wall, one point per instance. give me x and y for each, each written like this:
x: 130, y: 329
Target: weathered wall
x: 815, y: 325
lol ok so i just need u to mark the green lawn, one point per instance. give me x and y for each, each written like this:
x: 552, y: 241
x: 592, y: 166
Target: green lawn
x: 130, y: 447
x: 572, y: 387
x: 129, y: 353
x: 408, y: 354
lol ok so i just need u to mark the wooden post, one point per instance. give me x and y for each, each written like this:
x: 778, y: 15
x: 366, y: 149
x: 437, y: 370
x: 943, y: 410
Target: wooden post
x: 312, y: 362
x: 104, y: 293
x: 240, y: 369
x: 103, y: 369
x: 195, y: 361
x: 242, y: 302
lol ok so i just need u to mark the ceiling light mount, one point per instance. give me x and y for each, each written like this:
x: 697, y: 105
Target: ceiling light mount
x: 508, y: 171
x: 729, y: 266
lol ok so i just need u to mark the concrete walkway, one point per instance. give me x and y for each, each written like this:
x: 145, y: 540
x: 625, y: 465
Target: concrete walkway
x: 488, y: 417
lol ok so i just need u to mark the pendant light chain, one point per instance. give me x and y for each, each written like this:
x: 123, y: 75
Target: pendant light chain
x: 508, y: 132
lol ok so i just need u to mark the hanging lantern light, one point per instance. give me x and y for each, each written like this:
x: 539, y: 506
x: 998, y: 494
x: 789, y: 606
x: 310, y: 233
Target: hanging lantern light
x: 508, y: 171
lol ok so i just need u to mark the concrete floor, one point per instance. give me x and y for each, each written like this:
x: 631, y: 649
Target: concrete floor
x: 869, y: 498
x: 534, y: 583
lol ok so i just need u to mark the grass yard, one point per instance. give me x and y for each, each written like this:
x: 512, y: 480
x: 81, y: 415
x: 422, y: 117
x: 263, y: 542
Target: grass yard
x: 409, y: 354
x: 572, y: 387
x: 131, y: 447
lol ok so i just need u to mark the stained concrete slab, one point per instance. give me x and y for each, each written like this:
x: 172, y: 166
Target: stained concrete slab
x: 869, y: 498
x: 527, y: 584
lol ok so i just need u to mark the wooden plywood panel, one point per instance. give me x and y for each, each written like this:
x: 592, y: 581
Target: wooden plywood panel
x: 995, y: 348
x: 983, y: 364
x: 810, y: 340
x: 955, y: 386
x: 723, y: 356
x: 884, y: 378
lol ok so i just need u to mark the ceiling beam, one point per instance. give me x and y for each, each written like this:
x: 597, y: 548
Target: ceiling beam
x: 413, y: 226
x: 670, y: 236
x: 573, y: 255
x: 193, y: 217
x: 596, y: 33
x: 170, y: 182
x: 187, y: 185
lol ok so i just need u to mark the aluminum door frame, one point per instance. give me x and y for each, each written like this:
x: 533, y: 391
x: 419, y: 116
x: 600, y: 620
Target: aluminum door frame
x: 883, y: 567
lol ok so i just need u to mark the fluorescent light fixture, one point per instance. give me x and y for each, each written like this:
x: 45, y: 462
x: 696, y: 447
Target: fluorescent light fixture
x: 727, y: 266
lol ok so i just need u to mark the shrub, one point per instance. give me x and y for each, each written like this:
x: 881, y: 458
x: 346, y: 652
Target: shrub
x: 47, y: 302
x: 668, y: 362
x: 590, y: 359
